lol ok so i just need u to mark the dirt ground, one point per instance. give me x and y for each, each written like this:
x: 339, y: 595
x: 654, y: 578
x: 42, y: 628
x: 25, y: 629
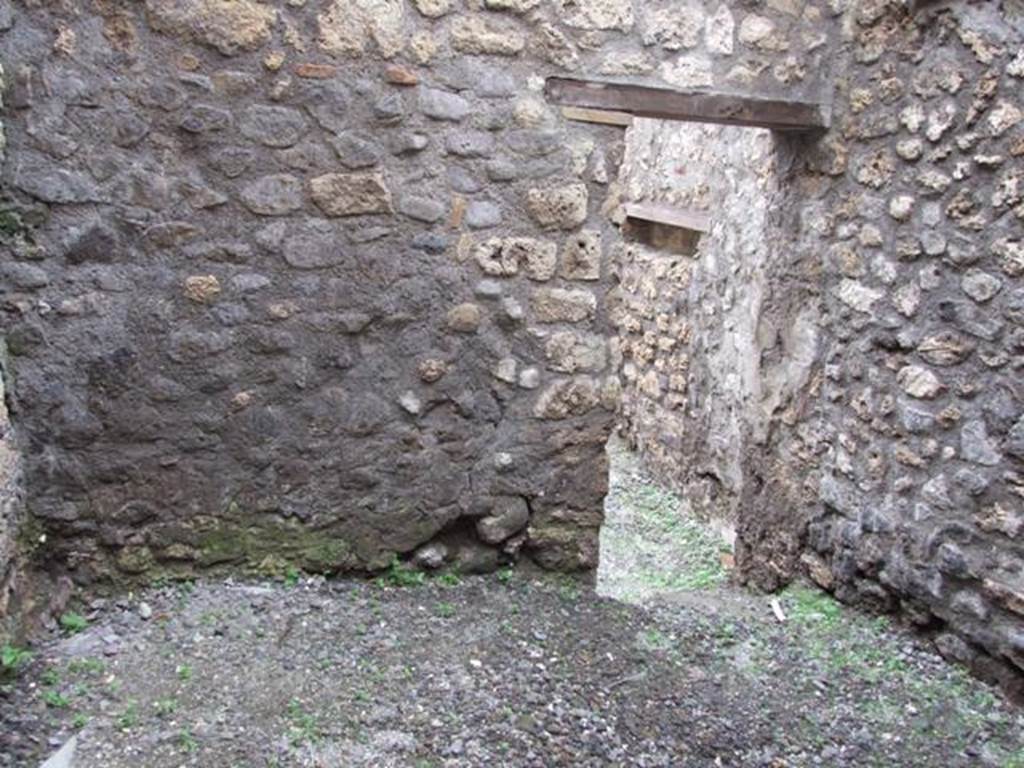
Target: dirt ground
x: 665, y: 664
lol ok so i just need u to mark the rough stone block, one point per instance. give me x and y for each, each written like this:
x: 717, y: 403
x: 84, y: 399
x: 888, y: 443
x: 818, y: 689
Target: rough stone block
x: 565, y: 399
x: 202, y: 289
x: 275, y: 195
x: 508, y: 517
x: 350, y: 194
x: 465, y: 318
x: 230, y: 26
x: 597, y: 14
x: 356, y: 151
x: 272, y: 126
x: 470, y: 143
x: 349, y: 27
x: 557, y: 305
x: 572, y: 352
x: 476, y: 35
x: 581, y: 256
x: 442, y: 105
x: 559, y: 207
x: 421, y: 208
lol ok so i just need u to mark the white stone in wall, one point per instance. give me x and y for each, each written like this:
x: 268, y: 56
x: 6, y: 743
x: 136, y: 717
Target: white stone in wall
x: 976, y: 445
x: 979, y: 285
x: 433, y: 9
x: 626, y: 64
x: 754, y: 29
x: 505, y: 370
x: 1003, y: 117
x: 907, y: 299
x: 348, y: 26
x: 912, y: 117
x: 720, y: 30
x: 919, y: 382
x: 677, y: 26
x: 940, y: 120
x: 688, y: 71
x: 476, y: 35
x: 597, y: 14
x: 230, y: 26
x: 1010, y: 253
x: 1016, y: 67
x: 516, y: 6
x: 856, y: 295
x: 901, y: 207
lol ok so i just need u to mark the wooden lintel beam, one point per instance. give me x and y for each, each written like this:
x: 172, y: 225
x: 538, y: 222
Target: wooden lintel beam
x: 673, y: 216
x: 693, y: 106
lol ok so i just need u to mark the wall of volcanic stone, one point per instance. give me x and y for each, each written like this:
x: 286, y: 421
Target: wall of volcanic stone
x: 10, y: 475
x: 321, y: 282
x: 888, y: 465
x: 921, y: 231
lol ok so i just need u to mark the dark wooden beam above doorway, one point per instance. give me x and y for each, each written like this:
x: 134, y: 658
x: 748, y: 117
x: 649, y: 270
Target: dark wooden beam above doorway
x: 692, y: 106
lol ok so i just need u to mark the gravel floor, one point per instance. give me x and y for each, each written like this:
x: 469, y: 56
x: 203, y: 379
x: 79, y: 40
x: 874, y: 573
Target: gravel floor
x: 514, y: 669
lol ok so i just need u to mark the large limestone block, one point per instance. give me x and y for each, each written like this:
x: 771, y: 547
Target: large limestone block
x: 474, y: 35
x: 503, y: 257
x: 350, y: 194
x: 348, y: 27
x: 557, y: 305
x: 565, y: 399
x: 597, y: 14
x: 558, y: 207
x: 230, y: 26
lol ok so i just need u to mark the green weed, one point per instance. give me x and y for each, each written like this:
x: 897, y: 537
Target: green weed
x: 165, y: 707
x: 73, y: 623
x: 129, y: 718
x: 187, y: 741
x: 304, y: 728
x: 399, y: 574
x: 90, y: 666
x: 12, y: 659
x: 449, y: 579
x: 812, y: 606
x: 55, y: 699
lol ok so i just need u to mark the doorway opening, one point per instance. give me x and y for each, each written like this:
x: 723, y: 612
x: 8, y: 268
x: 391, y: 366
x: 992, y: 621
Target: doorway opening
x: 691, y: 327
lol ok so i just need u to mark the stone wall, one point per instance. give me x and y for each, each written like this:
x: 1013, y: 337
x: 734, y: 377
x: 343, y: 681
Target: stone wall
x: 836, y: 367
x: 921, y: 235
x: 718, y: 333
x: 10, y: 475
x: 319, y: 283
x: 10, y: 502
x: 322, y: 283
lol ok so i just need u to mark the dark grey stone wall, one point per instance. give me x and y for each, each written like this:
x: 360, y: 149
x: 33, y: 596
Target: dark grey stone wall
x: 315, y: 284
x: 11, y: 509
x: 319, y: 283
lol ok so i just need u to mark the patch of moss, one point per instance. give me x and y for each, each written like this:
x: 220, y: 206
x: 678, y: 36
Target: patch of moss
x: 223, y: 545
x: 135, y: 560
x: 328, y: 555
x: 11, y: 224
x: 277, y: 546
